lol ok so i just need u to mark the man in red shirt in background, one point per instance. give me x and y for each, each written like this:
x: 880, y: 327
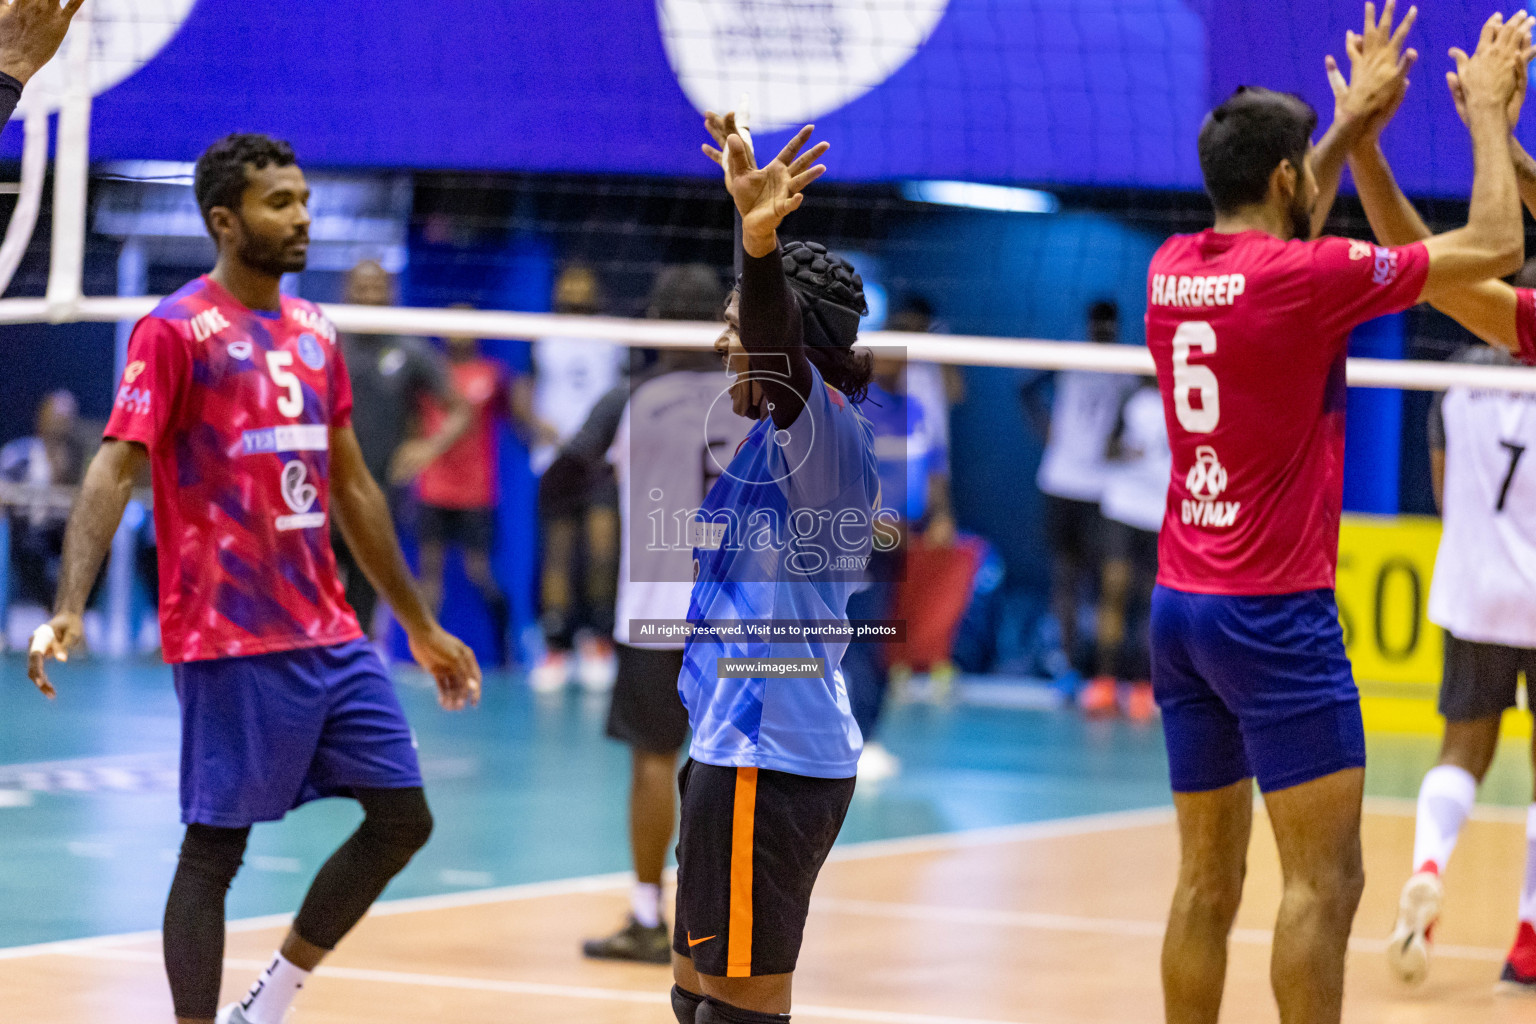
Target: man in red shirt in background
x: 459, y: 492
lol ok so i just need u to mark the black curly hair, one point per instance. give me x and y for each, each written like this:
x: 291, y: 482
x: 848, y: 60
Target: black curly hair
x: 830, y: 294
x: 220, y: 176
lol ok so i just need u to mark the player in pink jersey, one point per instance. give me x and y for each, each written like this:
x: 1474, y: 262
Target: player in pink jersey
x: 1247, y: 324
x: 238, y: 398
x: 1480, y: 666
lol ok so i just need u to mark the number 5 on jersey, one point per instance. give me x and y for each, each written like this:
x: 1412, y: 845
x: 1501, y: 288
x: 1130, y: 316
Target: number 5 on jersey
x: 1187, y: 378
x: 292, y: 403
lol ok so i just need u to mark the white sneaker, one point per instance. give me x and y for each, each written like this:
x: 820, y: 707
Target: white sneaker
x: 231, y: 1014
x: 1417, y: 911
x: 596, y: 666
x: 877, y: 763
x: 551, y: 674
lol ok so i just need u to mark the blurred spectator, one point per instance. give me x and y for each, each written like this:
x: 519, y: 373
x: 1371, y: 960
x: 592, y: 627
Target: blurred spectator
x: 459, y: 491
x: 914, y: 483
x: 937, y: 386
x: 1135, y: 498
x: 393, y: 378
x: 578, y: 499
x: 53, y: 457
x: 664, y: 442
x: 1073, y: 472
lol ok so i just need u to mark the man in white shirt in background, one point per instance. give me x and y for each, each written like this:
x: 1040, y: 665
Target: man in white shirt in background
x: 578, y: 505
x: 1073, y: 472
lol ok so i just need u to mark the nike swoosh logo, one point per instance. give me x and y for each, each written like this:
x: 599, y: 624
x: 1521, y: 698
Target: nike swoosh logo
x: 694, y: 942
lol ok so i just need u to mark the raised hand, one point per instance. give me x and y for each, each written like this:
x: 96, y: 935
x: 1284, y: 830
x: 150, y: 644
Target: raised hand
x: 30, y: 34
x: 1516, y: 102
x: 765, y: 195
x: 1378, y: 71
x: 1491, y: 76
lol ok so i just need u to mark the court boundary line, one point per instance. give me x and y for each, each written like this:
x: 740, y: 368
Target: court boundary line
x: 935, y: 842
x: 540, y: 989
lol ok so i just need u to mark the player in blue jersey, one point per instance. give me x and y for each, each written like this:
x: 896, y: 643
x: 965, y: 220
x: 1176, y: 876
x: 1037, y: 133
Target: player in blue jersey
x: 780, y: 543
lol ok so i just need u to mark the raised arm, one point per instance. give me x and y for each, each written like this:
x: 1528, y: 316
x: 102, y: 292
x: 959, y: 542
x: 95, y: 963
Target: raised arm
x: 363, y: 515
x: 1486, y: 308
x: 1379, y: 65
x: 87, y: 539
x: 30, y: 34
x: 770, y: 324
x: 1493, y: 242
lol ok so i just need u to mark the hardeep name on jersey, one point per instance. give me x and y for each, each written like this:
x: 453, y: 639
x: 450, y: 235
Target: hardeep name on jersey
x: 1198, y: 290
x: 208, y: 323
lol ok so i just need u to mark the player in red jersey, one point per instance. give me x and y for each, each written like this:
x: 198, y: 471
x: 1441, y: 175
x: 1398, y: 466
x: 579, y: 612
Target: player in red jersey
x: 238, y: 398
x: 1247, y: 324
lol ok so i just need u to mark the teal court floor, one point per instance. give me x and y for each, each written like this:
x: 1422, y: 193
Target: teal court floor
x: 524, y: 789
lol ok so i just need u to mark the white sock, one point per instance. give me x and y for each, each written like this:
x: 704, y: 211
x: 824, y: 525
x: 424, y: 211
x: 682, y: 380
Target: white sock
x: 645, y: 904
x: 1528, y: 891
x: 1445, y: 800
x: 273, y: 992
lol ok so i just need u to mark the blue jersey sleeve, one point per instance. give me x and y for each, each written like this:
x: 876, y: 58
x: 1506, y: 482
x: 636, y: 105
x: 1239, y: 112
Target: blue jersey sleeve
x: 826, y: 458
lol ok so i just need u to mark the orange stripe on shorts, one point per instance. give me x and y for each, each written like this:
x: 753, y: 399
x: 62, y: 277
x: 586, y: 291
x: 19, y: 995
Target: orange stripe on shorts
x: 738, y: 952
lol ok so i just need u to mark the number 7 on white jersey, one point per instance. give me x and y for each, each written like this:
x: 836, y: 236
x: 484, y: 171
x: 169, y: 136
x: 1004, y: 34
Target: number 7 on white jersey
x: 1195, y: 334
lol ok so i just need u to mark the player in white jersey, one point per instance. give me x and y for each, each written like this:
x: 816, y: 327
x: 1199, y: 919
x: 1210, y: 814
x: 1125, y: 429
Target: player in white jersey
x: 1133, y: 504
x: 675, y: 436
x: 1484, y: 596
x: 1073, y: 471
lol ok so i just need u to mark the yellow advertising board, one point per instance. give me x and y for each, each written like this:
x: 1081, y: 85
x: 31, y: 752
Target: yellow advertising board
x: 1385, y: 567
x: 1386, y: 564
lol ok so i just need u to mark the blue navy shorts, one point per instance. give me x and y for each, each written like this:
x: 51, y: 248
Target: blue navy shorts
x: 261, y: 735
x: 1253, y: 686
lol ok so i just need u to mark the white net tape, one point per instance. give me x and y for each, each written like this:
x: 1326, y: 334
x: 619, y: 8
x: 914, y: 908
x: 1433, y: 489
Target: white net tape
x: 1019, y: 353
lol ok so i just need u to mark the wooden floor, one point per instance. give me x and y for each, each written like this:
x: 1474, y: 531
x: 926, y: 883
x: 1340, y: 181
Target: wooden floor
x: 1037, y: 924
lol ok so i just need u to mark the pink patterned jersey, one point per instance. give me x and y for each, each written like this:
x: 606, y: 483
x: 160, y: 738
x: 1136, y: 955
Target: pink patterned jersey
x: 1248, y: 334
x: 236, y: 408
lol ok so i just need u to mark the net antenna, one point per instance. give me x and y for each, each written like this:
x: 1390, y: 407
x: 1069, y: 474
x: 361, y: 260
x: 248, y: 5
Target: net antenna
x: 743, y: 119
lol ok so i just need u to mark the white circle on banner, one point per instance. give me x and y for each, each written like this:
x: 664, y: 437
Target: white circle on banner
x: 795, y: 60
x: 125, y: 35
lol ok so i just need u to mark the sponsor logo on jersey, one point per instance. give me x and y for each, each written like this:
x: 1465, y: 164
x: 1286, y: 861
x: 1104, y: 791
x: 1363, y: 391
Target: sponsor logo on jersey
x: 310, y: 320
x: 1359, y: 249
x: 240, y: 350
x: 131, y: 373
x: 1198, y: 290
x: 1386, y: 266
x: 135, y: 400
x: 705, y: 535
x: 296, y: 437
x: 300, y: 496
x: 311, y: 352
x: 208, y: 323
x: 1207, y: 480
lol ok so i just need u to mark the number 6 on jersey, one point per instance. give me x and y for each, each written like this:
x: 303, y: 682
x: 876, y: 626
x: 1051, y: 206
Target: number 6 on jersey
x: 1201, y: 335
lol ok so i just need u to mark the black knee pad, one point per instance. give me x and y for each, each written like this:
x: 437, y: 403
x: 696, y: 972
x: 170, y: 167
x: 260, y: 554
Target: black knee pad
x: 213, y: 853
x: 396, y: 822
x: 685, y: 1005
x: 716, y: 1012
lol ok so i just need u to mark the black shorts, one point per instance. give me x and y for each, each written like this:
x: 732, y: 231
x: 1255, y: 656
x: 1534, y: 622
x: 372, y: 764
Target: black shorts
x: 1074, y: 528
x: 750, y: 847
x: 1125, y: 543
x: 645, y: 710
x: 467, y: 528
x: 1481, y: 680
